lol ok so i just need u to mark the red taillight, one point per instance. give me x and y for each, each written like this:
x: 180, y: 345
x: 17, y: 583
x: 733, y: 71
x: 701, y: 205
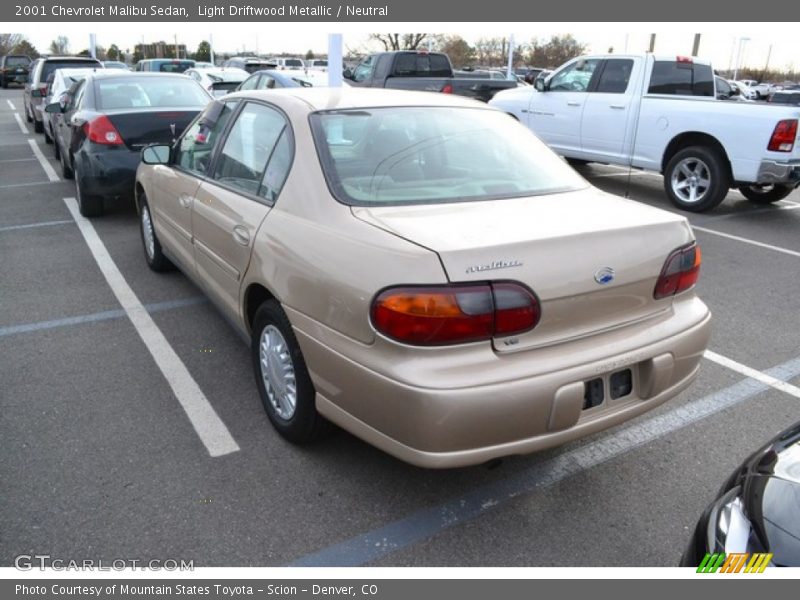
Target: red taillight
x: 447, y: 89
x: 680, y: 271
x: 783, y: 136
x: 102, y: 131
x: 454, y: 314
x: 684, y: 59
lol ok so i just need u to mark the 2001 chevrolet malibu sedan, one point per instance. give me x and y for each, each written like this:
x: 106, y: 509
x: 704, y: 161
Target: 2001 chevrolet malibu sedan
x: 422, y: 271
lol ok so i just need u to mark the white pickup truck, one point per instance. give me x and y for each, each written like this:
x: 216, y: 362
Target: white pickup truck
x: 661, y: 114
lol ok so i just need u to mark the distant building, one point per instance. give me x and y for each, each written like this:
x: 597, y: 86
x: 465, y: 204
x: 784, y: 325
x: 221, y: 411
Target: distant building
x: 161, y: 50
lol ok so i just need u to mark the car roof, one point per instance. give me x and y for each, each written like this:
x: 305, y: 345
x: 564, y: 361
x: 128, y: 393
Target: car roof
x: 111, y: 73
x: 73, y: 58
x: 340, y: 98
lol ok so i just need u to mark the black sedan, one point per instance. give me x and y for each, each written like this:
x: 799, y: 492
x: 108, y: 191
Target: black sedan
x: 108, y: 118
x: 757, y: 510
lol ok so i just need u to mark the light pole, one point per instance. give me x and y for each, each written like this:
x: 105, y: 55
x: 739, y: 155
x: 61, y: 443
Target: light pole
x: 742, y: 41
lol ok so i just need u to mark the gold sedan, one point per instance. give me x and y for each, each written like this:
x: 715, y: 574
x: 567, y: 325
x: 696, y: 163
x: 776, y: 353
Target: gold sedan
x: 422, y: 271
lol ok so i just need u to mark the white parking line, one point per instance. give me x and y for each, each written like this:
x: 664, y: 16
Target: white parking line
x: 746, y: 241
x: 209, y: 427
x: 11, y: 105
x: 48, y: 168
x: 22, y: 127
x: 724, y: 361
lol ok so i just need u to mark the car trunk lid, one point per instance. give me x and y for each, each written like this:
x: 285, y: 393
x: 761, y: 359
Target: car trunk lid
x: 140, y: 127
x: 591, y: 258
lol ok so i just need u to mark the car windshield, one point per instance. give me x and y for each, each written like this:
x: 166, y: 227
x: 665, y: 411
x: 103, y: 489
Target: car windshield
x: 175, y: 66
x: 429, y: 155
x: 156, y: 91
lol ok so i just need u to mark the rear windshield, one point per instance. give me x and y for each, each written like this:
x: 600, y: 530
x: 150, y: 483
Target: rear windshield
x: 681, y: 79
x: 143, y: 92
x: 52, y: 65
x: 252, y: 67
x: 786, y: 98
x: 432, y: 155
x: 175, y: 67
x: 422, y: 65
x: 18, y: 61
x: 294, y: 62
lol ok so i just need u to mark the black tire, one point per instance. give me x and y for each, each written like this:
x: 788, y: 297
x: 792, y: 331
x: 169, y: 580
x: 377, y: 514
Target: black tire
x: 305, y: 424
x: 154, y: 256
x: 701, y: 168
x: 28, y: 116
x: 38, y: 126
x: 47, y: 138
x: 5, y: 83
x: 577, y: 162
x: 66, y: 170
x: 89, y: 205
x: 766, y: 194
x: 57, y: 151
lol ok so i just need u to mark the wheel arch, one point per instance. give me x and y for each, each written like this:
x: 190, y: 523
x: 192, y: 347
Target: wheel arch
x: 694, y: 138
x: 254, y: 296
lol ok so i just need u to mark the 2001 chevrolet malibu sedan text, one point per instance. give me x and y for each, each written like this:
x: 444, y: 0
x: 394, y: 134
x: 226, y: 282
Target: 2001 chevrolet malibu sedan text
x: 422, y: 271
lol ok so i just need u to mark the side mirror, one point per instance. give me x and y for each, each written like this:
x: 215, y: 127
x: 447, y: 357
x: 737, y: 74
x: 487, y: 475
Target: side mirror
x: 347, y: 74
x: 54, y: 107
x: 540, y: 85
x: 36, y: 93
x: 156, y: 154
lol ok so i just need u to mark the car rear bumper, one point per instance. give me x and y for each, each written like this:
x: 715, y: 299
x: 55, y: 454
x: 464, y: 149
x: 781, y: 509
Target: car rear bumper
x: 430, y: 423
x: 109, y: 173
x: 772, y: 171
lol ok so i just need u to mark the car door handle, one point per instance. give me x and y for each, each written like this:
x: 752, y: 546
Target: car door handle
x: 573, y: 103
x: 241, y: 235
x: 185, y: 201
x: 617, y: 106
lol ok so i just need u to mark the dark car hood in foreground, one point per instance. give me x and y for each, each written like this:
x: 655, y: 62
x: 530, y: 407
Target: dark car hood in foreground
x: 770, y: 481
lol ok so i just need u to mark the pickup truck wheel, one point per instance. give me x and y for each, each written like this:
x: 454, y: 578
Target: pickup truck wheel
x: 153, y: 254
x: 696, y: 179
x: 282, y: 377
x: 766, y: 194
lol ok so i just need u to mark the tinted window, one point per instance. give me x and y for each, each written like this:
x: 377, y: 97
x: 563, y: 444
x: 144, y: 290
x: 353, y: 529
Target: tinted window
x: 175, y: 67
x: 615, y: 77
x: 785, y: 98
x: 681, y: 79
x: 249, y: 145
x: 18, y: 61
x: 143, y: 91
x: 364, y: 70
x: 294, y: 62
x: 250, y: 83
x: 194, y: 150
x: 52, y: 65
x: 422, y: 65
x: 575, y: 77
x: 413, y: 155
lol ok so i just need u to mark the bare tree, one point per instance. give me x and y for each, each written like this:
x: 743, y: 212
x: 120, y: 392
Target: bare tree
x: 60, y: 46
x: 8, y: 41
x: 555, y: 52
x: 399, y: 41
x: 26, y: 48
x: 460, y: 52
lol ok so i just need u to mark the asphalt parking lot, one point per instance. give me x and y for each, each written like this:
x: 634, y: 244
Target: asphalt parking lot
x: 101, y: 461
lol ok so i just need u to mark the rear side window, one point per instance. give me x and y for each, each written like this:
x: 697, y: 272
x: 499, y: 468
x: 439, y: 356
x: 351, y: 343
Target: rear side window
x: 143, y: 91
x: 681, y: 79
x: 194, y: 150
x: 422, y: 65
x: 615, y: 76
x: 248, y: 147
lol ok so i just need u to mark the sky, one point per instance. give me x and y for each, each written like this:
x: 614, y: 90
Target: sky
x: 778, y: 42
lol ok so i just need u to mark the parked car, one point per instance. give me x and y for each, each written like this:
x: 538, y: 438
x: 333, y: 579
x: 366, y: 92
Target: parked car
x: 59, y: 83
x: 317, y: 63
x: 422, y: 271
x: 270, y: 79
x: 115, y: 64
x: 164, y: 65
x: 757, y: 510
x: 728, y: 90
x: 218, y: 81
x: 745, y: 90
x: 36, y: 86
x: 529, y: 74
x: 791, y: 97
x: 288, y: 63
x: 108, y: 118
x: 199, y: 64
x: 661, y: 114
x: 421, y: 71
x: 251, y: 64
x: 14, y: 69
x: 764, y: 89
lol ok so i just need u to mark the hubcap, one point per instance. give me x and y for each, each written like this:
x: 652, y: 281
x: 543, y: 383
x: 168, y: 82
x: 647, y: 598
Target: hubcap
x: 691, y: 180
x: 147, y: 233
x: 277, y: 372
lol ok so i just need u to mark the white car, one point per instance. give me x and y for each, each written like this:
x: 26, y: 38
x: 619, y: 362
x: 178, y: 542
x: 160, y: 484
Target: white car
x: 63, y: 79
x: 219, y: 80
x: 661, y: 114
x: 318, y: 64
x: 745, y: 90
x: 288, y: 63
